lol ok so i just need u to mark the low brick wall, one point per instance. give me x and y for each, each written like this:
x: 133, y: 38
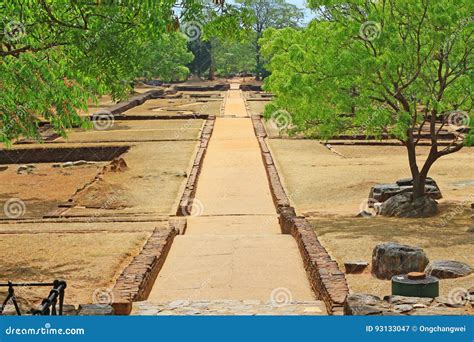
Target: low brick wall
x: 60, y: 154
x: 327, y: 281
x: 137, y: 279
x: 135, y: 101
x: 250, y: 87
x: 189, y: 87
x: 186, y: 202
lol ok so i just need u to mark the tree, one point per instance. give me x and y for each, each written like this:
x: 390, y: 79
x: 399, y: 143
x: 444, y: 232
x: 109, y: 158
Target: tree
x: 266, y: 14
x: 56, y: 55
x: 202, y: 57
x: 397, y: 67
x: 233, y: 57
x: 214, y: 23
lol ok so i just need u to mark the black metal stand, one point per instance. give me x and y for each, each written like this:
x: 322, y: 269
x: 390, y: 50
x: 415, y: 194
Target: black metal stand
x: 48, y: 305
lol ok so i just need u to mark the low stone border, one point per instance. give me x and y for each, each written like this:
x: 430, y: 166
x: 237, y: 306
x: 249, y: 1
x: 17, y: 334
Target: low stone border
x: 359, y: 304
x: 50, y: 154
x: 186, y: 202
x: 250, y: 87
x: 229, y: 308
x: 161, y: 117
x: 327, y: 281
x: 216, y: 87
x: 137, y: 279
x: 135, y: 101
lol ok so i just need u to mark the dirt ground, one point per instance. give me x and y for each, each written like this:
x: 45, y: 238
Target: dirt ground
x: 135, y: 131
x: 88, y: 259
x: 106, y: 216
x: 189, y: 104
x: 331, y: 190
x: 322, y: 182
x: 42, y: 190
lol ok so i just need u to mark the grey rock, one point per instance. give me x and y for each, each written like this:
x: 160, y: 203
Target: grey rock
x: 402, y: 205
x: 445, y: 269
x: 403, y: 307
x: 355, y: 267
x: 362, y: 310
x: 390, y: 259
x: 67, y: 164
x: 382, y: 192
x: 399, y: 300
x: 95, y: 310
x: 363, y: 305
x: 69, y: 310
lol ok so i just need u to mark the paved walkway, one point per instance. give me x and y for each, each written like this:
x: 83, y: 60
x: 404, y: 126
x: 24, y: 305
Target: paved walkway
x: 234, y: 250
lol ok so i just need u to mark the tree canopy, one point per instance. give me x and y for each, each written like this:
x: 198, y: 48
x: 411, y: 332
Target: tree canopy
x: 57, y: 55
x: 265, y: 14
x: 379, y: 66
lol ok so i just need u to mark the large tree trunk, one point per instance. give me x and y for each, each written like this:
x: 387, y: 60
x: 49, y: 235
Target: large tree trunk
x: 419, y: 176
x: 258, y: 58
x: 212, y: 69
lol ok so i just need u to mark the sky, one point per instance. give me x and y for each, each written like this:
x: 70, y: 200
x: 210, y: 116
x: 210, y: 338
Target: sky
x: 302, y: 4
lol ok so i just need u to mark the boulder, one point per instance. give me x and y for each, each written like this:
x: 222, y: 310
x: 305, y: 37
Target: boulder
x: 445, y: 269
x: 402, y: 205
x: 470, y: 230
x: 390, y: 259
x: 3, y: 168
x: 364, y: 304
x: 355, y: 267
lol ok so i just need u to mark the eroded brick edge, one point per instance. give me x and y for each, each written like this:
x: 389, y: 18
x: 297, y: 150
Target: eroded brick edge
x: 137, y: 279
x: 186, y: 202
x: 327, y: 280
x: 135, y: 101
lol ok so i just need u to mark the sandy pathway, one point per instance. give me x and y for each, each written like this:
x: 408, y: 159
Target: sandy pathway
x: 234, y: 249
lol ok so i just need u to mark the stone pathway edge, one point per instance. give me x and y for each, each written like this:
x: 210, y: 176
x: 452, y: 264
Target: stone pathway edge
x: 327, y: 280
x: 186, y: 202
x: 137, y: 279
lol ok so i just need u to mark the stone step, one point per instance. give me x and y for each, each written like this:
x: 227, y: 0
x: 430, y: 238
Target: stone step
x: 235, y: 267
x: 230, y: 307
x: 234, y: 225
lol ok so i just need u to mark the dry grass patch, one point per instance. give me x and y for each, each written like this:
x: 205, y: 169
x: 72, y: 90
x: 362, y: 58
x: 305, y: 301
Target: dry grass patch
x: 86, y: 261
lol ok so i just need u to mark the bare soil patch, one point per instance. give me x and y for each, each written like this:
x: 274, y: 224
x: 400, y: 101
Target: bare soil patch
x: 322, y: 182
x: 329, y: 189
x: 42, y: 190
x: 87, y: 261
x: 147, y: 130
